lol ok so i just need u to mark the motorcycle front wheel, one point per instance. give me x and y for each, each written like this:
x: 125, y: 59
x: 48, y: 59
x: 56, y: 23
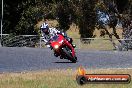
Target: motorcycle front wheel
x: 69, y: 55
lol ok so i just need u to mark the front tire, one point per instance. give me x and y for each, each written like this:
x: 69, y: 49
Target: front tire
x: 68, y: 54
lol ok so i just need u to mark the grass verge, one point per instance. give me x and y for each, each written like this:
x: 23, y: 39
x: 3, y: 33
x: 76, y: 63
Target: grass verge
x: 57, y: 79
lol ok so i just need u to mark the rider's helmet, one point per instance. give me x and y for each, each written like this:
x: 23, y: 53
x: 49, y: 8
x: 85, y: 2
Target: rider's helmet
x: 45, y: 28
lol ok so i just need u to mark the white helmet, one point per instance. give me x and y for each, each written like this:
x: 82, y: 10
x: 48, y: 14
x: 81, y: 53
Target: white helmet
x: 44, y: 27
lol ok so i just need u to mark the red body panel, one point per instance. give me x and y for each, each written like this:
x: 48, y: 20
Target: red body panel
x: 60, y: 44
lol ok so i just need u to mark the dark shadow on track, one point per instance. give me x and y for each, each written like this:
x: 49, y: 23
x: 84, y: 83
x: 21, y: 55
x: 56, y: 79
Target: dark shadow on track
x: 62, y: 62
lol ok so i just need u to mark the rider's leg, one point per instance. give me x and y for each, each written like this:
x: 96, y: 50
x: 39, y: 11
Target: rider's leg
x: 70, y: 40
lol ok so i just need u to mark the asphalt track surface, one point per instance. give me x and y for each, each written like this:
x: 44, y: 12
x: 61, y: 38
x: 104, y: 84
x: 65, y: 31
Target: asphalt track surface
x: 32, y: 59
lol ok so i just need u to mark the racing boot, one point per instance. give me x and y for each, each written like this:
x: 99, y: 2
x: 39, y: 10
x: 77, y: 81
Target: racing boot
x: 61, y: 57
x: 70, y: 41
x: 56, y: 55
x: 73, y: 45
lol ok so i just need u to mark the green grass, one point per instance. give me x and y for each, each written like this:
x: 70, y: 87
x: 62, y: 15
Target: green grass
x: 57, y: 79
x: 96, y: 44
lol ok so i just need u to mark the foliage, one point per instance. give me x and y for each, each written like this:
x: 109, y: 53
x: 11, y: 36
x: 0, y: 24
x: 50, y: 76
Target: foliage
x: 63, y: 14
x: 29, y: 18
x: 20, y: 16
x: 80, y: 12
x: 87, y: 19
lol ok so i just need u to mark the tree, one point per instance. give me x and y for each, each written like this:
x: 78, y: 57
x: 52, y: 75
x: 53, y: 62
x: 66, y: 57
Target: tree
x: 80, y: 12
x: 63, y: 14
x: 21, y: 16
x: 28, y: 20
x: 112, y: 8
x: 88, y: 18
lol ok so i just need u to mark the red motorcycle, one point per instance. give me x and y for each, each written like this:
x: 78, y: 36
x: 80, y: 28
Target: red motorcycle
x: 63, y: 48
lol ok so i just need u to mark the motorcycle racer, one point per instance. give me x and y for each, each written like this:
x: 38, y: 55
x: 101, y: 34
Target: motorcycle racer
x: 48, y: 33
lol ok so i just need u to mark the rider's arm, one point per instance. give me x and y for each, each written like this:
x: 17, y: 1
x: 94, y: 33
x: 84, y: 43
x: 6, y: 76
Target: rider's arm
x: 60, y: 32
x: 55, y: 30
